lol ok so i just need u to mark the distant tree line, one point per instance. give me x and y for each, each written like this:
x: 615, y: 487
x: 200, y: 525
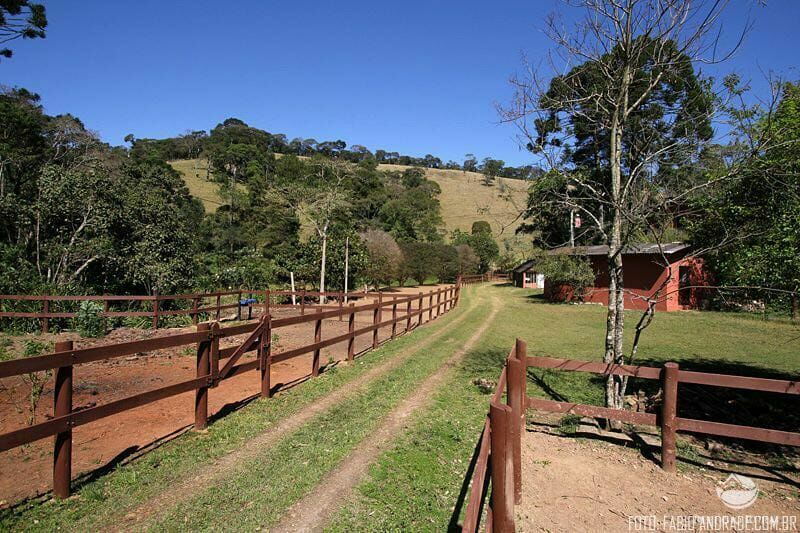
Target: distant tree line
x: 194, y: 144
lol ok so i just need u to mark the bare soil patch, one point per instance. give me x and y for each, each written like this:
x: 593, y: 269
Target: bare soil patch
x: 572, y: 484
x: 27, y: 470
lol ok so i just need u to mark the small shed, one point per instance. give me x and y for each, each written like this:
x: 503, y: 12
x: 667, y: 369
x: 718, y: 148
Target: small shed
x: 526, y: 276
x: 647, y: 267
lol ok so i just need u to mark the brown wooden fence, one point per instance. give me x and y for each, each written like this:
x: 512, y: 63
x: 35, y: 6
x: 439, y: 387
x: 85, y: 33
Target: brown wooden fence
x: 498, y: 464
x: 406, y: 311
x: 211, y: 304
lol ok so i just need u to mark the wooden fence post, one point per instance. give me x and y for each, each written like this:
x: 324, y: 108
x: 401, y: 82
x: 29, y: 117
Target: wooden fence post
x: 239, y: 305
x: 514, y: 400
x: 340, y: 297
x: 215, y: 335
x: 267, y: 299
x: 430, y: 307
x: 502, y: 502
x: 45, y: 319
x: 438, y: 303
x: 317, y: 340
x: 375, y: 318
x: 265, y: 353
x: 421, y: 304
x: 155, y: 310
x: 195, y: 306
x: 303, y: 302
x: 219, y: 305
x: 351, y: 328
x: 203, y: 369
x: 408, y: 314
x: 669, y: 408
x: 62, y: 406
x: 394, y: 319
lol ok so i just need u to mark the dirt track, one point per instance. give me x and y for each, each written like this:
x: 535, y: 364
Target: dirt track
x: 572, y: 484
x: 28, y: 469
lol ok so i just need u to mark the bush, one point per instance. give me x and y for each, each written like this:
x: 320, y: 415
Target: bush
x: 570, y: 270
x: 89, y: 320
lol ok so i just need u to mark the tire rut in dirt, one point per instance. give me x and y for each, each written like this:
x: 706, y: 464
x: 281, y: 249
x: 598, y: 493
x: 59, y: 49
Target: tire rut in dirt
x: 313, y: 512
x: 184, y: 489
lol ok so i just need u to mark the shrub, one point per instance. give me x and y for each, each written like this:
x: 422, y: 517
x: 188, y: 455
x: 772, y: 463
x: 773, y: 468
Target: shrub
x: 89, y: 320
x: 570, y: 270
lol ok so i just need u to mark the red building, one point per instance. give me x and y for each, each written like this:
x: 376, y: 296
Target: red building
x: 647, y: 267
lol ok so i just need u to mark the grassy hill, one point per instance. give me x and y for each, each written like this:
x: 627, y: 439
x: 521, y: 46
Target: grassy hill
x: 464, y: 197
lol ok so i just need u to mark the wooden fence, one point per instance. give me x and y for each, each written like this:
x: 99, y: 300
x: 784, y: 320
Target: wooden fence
x: 205, y: 303
x: 499, y: 465
x: 412, y: 310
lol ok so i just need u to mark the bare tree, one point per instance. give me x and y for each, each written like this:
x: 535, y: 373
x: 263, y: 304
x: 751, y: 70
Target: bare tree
x: 320, y: 200
x: 620, y: 91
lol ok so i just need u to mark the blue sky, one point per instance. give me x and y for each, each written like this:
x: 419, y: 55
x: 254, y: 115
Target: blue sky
x: 415, y: 77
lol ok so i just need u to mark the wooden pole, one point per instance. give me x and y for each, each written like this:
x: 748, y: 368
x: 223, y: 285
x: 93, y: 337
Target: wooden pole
x: 669, y: 408
x: 294, y: 298
x: 394, y: 320
x: 408, y: 314
x: 502, y: 502
x: 62, y: 406
x: 203, y: 369
x: 266, y: 357
x: 430, y: 307
x: 195, y: 305
x: 45, y: 319
x: 218, y: 306
x: 375, y: 326
x: 317, y: 340
x: 303, y: 302
x: 155, y: 310
x: 421, y: 303
x: 514, y: 401
x: 351, y: 328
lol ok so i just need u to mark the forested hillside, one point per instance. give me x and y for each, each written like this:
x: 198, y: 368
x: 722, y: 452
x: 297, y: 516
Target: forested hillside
x: 465, y: 196
x: 245, y: 210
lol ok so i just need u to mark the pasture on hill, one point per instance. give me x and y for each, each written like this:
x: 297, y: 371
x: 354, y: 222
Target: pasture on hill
x: 464, y: 198
x: 413, y: 481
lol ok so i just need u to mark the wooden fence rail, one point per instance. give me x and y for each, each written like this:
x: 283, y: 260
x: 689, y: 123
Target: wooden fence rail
x: 498, y: 464
x: 158, y: 309
x: 209, y: 356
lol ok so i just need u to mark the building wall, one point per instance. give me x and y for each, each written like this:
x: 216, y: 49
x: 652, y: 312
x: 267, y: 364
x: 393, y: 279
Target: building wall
x: 643, y: 275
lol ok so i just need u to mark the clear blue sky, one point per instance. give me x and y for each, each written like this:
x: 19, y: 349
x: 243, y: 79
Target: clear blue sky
x: 416, y: 77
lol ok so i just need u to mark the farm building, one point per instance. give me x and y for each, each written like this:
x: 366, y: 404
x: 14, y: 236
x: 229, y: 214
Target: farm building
x: 680, y: 277
x: 526, y: 276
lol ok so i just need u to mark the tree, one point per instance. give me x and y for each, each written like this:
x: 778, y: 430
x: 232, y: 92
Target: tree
x: 491, y: 168
x: 470, y: 163
x: 481, y: 226
x: 468, y: 260
x: 482, y: 243
x: 420, y: 260
x: 20, y: 19
x: 385, y: 257
x: 758, y: 214
x: 629, y: 113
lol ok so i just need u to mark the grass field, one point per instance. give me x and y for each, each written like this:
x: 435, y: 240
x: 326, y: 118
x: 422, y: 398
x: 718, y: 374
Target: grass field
x: 464, y: 198
x: 416, y: 484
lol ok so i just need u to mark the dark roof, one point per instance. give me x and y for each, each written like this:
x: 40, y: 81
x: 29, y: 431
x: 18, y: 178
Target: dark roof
x: 524, y: 267
x: 667, y: 249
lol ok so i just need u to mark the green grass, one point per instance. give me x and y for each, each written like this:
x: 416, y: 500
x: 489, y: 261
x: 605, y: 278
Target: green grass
x: 416, y: 485
x: 259, y: 492
x: 106, y: 499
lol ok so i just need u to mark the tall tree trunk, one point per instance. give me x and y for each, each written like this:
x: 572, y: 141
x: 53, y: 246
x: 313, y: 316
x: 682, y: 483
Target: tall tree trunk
x: 615, y: 319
